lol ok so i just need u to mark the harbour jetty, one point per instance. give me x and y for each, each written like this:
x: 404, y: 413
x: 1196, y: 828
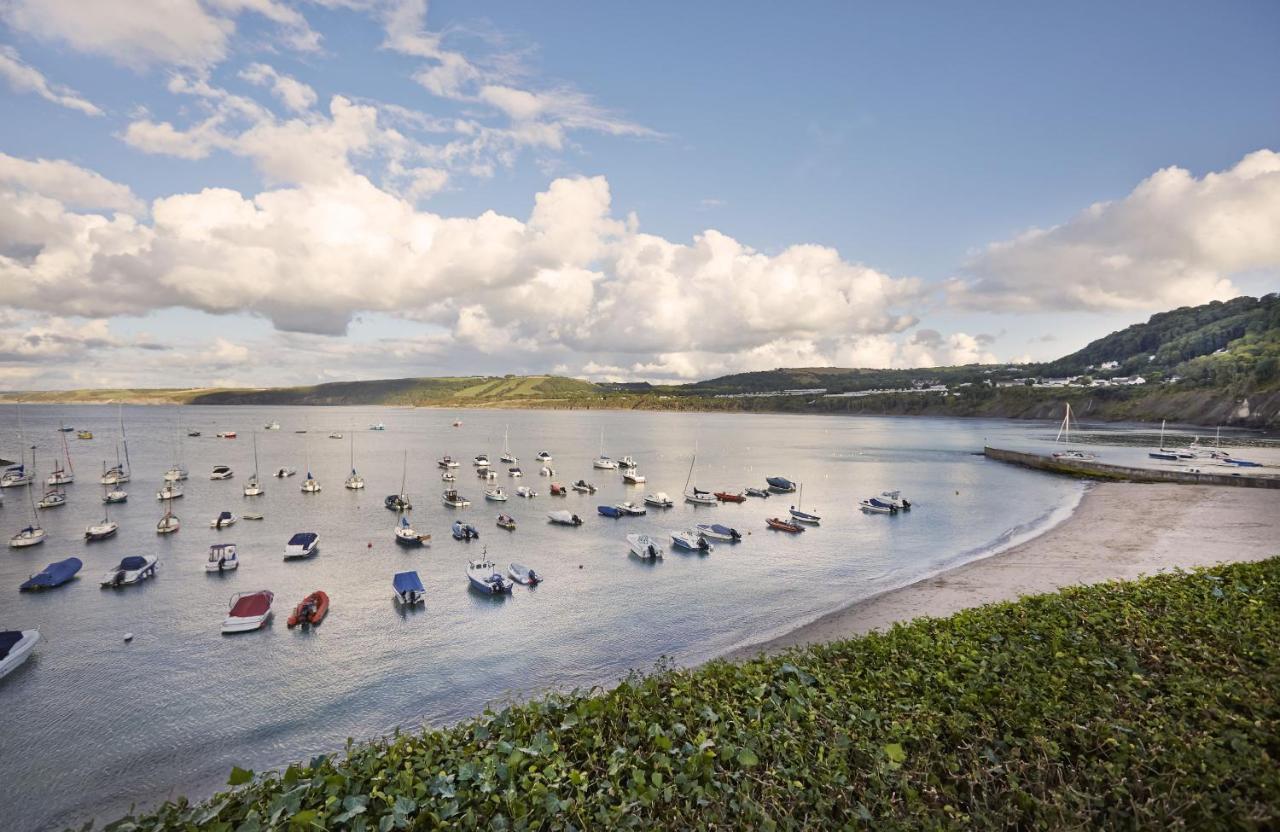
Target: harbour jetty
x: 1128, y: 473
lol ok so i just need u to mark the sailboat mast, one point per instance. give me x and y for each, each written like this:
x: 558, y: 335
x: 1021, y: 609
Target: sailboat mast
x: 689, y: 478
x: 125, y: 439
x: 66, y: 451
x: 255, y: 454
x: 404, y: 470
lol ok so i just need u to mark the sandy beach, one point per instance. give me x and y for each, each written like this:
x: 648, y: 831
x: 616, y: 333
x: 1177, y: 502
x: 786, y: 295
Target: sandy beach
x: 1119, y: 531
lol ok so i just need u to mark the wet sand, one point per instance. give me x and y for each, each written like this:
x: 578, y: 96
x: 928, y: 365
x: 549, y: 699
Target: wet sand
x: 1119, y: 531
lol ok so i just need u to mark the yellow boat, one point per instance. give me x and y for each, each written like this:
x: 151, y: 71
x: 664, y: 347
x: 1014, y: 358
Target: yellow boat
x: 85, y: 434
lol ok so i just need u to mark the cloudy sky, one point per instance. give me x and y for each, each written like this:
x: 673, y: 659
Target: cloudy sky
x: 255, y: 192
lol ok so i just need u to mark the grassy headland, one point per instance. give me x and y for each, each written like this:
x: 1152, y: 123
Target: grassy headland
x: 1147, y: 704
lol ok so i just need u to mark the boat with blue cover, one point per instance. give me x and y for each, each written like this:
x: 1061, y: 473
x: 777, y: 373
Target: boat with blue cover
x: 465, y: 531
x: 131, y: 570
x: 408, y: 588
x: 54, y: 575
x: 716, y: 531
x: 780, y: 485
x: 301, y: 545
x: 609, y: 511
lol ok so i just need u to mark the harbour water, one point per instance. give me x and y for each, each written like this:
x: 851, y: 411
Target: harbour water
x: 91, y: 724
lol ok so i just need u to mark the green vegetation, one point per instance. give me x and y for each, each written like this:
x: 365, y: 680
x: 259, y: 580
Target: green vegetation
x: 1144, y: 705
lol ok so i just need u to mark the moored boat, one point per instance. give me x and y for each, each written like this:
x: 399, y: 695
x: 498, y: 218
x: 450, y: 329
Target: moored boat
x: 730, y: 497
x: 780, y: 485
x: 564, y: 518
x: 465, y: 531
x: 584, y: 487
x: 632, y: 477
x: 14, y: 476
x: 407, y: 536
x: 716, y: 531
x: 221, y: 472
x: 895, y: 499
x: 408, y: 589
x: 447, y: 462
x: 800, y: 515
x: 84, y: 434
x: 53, y: 498
x: 558, y: 490
x: 658, y: 499
x: 301, y: 545
x: 310, y: 610
x: 30, y: 536
x: 644, y: 546
x: 631, y: 509
x: 248, y: 611
x: 693, y: 541
x: 609, y: 511
x: 874, y: 505
x: 169, y: 491
x: 506, y: 521
x: 115, y: 495
x: 54, y: 575
x: 281, y: 473
x: 784, y: 525
x: 495, y: 494
x: 525, y: 575
x: 485, y: 577
x: 15, y: 648
x: 222, y: 558
x: 757, y: 492
x: 543, y: 456
x: 453, y: 499
x: 130, y: 570
x: 224, y: 519
x: 525, y: 491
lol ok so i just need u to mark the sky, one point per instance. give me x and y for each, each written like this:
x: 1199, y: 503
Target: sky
x: 259, y: 192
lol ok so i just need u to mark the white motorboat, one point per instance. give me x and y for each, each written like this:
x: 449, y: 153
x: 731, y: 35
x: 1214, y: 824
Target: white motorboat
x: 30, y: 536
x: 543, y: 456
x: 301, y: 545
x: 644, y: 546
x: 691, y: 540
x: 448, y: 476
x: 525, y: 575
x: 752, y: 491
x: 627, y: 462
x: 496, y: 494
x: 377, y: 426
x: 875, y: 506
x: 222, y: 558
x: 658, y: 499
x: 464, y: 531
x: 715, y: 531
x: 15, y: 648
x: 131, y: 570
x: 564, y: 518
x: 285, y: 472
x: 223, y: 520
x: 631, y: 509
x: 176, y: 474
x: 485, y: 577
x: 895, y: 499
x: 447, y: 462
x: 221, y: 472
x: 115, y: 495
x: 248, y: 611
x: 480, y: 460
x: 584, y: 487
x: 453, y: 499
x: 271, y: 426
x: 515, y: 472
x: 408, y: 588
x: 169, y: 491
x: 632, y: 477
x: 407, y: 536
x: 525, y: 491
x: 335, y: 435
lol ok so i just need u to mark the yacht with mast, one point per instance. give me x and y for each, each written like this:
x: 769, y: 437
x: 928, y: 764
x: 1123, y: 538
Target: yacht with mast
x: 121, y: 471
x: 507, y: 456
x: 355, y: 481
x: 603, y: 461
x: 178, y: 471
x: 1064, y: 436
x: 253, y: 488
x: 400, y: 502
x: 693, y: 494
x: 33, y: 534
x: 61, y: 475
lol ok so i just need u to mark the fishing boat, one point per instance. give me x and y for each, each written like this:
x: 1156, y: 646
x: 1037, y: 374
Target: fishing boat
x: 496, y: 494
x: 453, y: 499
x: 408, y: 588
x: 407, y: 536
x: 62, y: 475
x: 694, y: 494
x: 525, y: 491
x: 564, y: 518
x: 515, y: 472
x: 465, y: 531
x: 658, y: 499
x: 272, y: 425
x: 876, y: 506
x: 377, y: 426
x: 169, y: 523
x: 757, y: 492
x: 84, y: 434
x: 222, y: 558
x: 485, y: 577
x: 609, y: 511
x: 644, y: 546
x: 281, y: 473
x: 507, y: 456
x: 169, y: 491
x: 310, y: 485
x: 603, y: 461
x: 15, y: 648
x: 780, y: 485
x: 895, y: 499
x: 632, y: 477
x: 131, y: 570
x: 221, y: 472
x: 798, y: 513
x: 783, y: 525
x: 1064, y: 436
x: 115, y: 495
x: 543, y: 456
x: 310, y: 610
x: 730, y: 497
x: 506, y: 521
x: 524, y: 575
x: 447, y: 462
x: 715, y: 531
x: 631, y: 509
x: 302, y: 545
x: 691, y: 540
x: 481, y: 460
x: 248, y: 611
x: 558, y: 490
x: 584, y: 487
x: 355, y: 482
x: 223, y: 520
x: 253, y: 488
x: 54, y: 575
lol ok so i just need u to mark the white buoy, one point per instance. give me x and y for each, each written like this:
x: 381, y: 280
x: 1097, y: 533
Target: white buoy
x: 128, y: 637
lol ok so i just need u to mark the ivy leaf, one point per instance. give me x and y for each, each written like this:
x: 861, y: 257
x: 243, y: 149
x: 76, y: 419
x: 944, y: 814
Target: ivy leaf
x: 894, y: 752
x: 747, y: 758
x: 239, y: 776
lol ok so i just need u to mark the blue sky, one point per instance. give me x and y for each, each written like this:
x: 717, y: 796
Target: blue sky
x: 257, y: 192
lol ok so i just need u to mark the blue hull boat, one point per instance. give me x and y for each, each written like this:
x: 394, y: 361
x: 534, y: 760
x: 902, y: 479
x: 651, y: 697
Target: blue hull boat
x: 609, y: 511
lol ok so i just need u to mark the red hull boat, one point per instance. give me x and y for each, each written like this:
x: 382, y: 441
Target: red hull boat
x: 783, y: 526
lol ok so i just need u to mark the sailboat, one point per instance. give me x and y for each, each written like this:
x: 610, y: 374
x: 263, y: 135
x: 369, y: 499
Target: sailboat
x: 1162, y: 452
x: 60, y: 475
x: 119, y: 473
x: 603, y: 461
x: 1064, y: 436
x: 310, y: 485
x: 54, y: 497
x: 695, y: 495
x: 16, y: 475
x: 105, y: 529
x: 355, y: 481
x: 803, y: 516
x: 34, y: 533
x: 169, y: 523
x: 400, y: 502
x: 507, y: 456
x: 179, y: 471
x: 253, y: 488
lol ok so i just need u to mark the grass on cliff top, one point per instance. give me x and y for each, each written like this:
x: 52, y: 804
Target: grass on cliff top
x: 1145, y: 705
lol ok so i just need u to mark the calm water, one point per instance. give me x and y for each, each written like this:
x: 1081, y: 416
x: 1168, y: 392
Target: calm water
x: 90, y: 724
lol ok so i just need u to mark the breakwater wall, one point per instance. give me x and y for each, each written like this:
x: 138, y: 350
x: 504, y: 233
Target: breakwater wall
x: 1105, y: 471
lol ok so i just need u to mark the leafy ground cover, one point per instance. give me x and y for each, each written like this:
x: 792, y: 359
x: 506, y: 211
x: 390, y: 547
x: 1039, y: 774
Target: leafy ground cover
x: 1152, y: 704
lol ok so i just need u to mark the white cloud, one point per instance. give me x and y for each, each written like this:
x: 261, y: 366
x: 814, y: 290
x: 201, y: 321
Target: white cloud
x: 68, y: 184
x: 22, y: 77
x: 294, y: 94
x: 1175, y: 240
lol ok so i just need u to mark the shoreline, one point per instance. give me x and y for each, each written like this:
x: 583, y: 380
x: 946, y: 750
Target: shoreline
x: 1119, y: 531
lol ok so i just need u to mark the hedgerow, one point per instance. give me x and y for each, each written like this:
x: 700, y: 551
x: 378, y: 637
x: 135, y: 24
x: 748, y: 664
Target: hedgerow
x: 1149, y: 704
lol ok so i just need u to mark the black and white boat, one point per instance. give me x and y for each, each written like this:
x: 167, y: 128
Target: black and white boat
x: 15, y: 648
x: 131, y: 570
